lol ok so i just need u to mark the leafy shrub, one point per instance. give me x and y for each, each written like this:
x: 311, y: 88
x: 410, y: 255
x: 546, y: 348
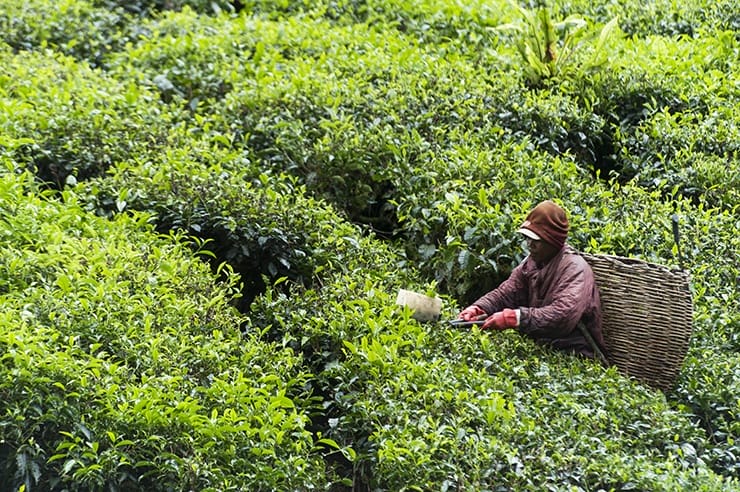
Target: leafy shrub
x: 694, y: 153
x: 711, y: 372
x: 456, y: 25
x: 706, y: 389
x: 72, y: 27
x: 254, y: 67
x: 245, y: 131
x: 551, y: 51
x: 247, y: 217
x: 425, y: 407
x: 184, y: 63
x: 276, y: 96
x: 76, y: 122
x: 674, y: 128
x: 152, y: 7
x: 124, y: 366
x: 662, y: 17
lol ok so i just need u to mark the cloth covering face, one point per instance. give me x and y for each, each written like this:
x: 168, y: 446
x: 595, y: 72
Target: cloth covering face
x: 549, y: 222
x: 553, y: 299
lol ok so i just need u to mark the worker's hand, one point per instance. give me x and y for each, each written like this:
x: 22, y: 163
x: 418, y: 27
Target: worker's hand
x: 471, y: 313
x: 508, y: 318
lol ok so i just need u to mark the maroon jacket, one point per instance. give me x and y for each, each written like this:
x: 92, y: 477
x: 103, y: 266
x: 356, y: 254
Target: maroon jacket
x: 553, y: 299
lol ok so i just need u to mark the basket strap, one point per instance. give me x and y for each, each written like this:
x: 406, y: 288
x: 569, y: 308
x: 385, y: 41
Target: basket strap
x: 677, y: 240
x: 597, y: 351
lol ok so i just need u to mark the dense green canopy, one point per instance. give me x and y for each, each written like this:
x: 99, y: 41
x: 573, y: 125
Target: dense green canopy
x: 207, y: 208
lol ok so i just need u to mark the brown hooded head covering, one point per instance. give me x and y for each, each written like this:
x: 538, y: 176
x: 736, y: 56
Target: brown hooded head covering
x: 548, y: 222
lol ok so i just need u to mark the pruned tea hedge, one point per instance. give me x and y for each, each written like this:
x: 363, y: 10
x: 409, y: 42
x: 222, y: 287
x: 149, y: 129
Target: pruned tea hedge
x: 207, y: 208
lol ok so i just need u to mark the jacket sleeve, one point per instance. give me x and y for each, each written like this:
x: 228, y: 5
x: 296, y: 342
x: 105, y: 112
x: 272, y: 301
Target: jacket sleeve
x: 569, y: 299
x: 512, y: 293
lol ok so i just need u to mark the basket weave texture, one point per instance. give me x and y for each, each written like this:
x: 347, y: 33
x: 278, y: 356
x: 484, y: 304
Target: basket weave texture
x: 646, y: 315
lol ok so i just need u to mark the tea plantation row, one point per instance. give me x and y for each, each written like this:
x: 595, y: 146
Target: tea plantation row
x: 319, y: 156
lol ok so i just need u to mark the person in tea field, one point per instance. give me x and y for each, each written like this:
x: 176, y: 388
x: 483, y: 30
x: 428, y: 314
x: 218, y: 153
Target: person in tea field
x: 550, y: 293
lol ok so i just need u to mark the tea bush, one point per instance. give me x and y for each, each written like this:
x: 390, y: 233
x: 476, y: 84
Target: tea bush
x: 247, y: 217
x: 273, y: 113
x: 684, y: 132
x: 74, y: 121
x: 186, y: 64
x: 711, y: 371
x: 74, y: 28
x: 124, y: 366
x: 264, y: 136
x: 276, y: 91
x: 154, y: 7
x: 664, y: 17
x: 427, y: 407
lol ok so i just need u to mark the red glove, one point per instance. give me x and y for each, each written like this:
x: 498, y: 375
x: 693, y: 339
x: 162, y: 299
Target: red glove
x: 471, y: 313
x: 502, y: 320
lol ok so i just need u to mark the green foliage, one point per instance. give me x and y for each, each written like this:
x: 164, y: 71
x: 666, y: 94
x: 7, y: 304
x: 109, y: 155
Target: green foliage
x: 276, y: 95
x: 72, y: 27
x: 661, y: 17
x: 676, y: 127
x: 124, y: 366
x: 153, y: 7
x: 246, y: 217
x: 254, y: 140
x: 549, y: 49
x: 180, y: 63
x: 75, y: 122
x: 426, y: 407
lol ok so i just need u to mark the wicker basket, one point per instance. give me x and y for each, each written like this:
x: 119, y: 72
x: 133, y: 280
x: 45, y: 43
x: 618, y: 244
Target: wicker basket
x: 646, y: 314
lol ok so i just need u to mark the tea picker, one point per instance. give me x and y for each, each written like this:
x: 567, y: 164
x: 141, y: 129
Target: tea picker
x: 624, y: 312
x: 551, y: 296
